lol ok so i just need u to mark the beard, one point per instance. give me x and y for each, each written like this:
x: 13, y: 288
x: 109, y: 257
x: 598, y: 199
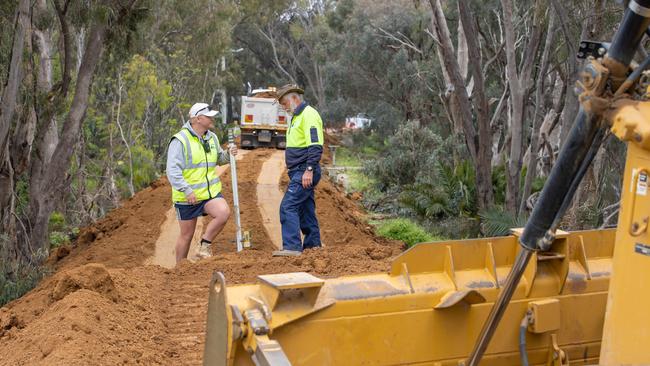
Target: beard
x: 293, y: 105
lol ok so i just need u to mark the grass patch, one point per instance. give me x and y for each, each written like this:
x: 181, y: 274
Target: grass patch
x: 345, y: 157
x: 357, y: 181
x: 405, y: 230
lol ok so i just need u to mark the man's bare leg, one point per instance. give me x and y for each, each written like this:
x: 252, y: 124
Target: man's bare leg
x: 185, y: 238
x: 219, y: 211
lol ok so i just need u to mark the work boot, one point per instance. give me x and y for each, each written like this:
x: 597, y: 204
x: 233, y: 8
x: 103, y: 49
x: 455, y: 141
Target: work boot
x: 205, y: 250
x: 286, y: 253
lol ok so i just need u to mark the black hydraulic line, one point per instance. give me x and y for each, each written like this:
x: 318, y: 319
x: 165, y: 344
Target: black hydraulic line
x: 558, y: 186
x: 578, y: 151
x: 523, y: 328
x: 591, y: 154
x: 630, y: 32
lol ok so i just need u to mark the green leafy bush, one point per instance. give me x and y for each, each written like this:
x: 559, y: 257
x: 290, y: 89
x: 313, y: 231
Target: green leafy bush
x: 404, y: 230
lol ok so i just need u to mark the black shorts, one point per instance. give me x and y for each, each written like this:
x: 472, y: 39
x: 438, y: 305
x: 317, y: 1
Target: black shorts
x: 186, y: 211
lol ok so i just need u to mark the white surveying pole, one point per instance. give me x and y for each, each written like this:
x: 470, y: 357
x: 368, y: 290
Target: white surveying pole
x: 235, y: 193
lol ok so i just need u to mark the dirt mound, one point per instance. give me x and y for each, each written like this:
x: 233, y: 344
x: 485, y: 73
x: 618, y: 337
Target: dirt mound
x: 104, y: 306
x: 341, y: 219
x: 86, y: 326
x: 93, y: 277
x: 126, y: 236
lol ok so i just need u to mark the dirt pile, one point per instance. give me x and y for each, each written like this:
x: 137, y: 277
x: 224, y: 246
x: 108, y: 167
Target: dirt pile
x: 126, y: 235
x: 93, y: 316
x: 93, y: 277
x: 104, y: 306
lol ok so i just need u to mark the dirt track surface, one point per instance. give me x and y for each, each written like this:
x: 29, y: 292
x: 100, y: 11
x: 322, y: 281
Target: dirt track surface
x: 105, y: 306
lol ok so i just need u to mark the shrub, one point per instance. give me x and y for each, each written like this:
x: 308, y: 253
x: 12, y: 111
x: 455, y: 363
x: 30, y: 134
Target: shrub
x: 57, y: 238
x: 17, y: 277
x: 404, y: 230
x: 59, y: 232
x: 57, y: 222
x: 498, y: 222
x: 412, y: 149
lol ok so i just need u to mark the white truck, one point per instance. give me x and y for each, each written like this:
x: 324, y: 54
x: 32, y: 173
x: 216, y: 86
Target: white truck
x: 360, y: 121
x: 263, y: 121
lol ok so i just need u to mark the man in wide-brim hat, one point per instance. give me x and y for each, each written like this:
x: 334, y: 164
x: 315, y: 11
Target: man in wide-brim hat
x: 302, y: 156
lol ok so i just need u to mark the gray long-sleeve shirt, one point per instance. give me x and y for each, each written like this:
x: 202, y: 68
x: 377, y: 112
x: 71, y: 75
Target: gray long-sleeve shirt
x: 176, y: 160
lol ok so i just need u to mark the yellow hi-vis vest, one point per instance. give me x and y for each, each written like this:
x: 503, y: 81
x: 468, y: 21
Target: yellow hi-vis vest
x: 305, y: 129
x: 200, y: 166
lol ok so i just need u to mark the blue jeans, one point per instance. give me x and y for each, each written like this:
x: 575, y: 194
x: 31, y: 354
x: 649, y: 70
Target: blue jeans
x: 298, y: 213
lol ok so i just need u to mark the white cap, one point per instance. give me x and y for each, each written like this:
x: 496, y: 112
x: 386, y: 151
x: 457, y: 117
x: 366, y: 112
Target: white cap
x: 202, y: 109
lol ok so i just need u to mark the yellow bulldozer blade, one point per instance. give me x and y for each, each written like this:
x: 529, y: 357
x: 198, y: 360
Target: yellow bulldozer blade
x: 428, y: 310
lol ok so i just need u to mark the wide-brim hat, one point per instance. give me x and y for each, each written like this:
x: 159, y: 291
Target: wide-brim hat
x: 289, y: 88
x: 202, y: 109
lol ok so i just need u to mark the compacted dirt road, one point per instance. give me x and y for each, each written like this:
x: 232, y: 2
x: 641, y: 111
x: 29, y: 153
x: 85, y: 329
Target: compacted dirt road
x: 116, y: 298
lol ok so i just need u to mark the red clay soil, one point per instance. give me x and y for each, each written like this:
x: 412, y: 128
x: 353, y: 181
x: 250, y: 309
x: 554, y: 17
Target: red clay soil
x: 102, y: 306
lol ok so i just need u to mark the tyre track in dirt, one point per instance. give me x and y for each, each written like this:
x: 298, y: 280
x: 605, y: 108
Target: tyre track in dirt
x: 185, y: 293
x: 165, y: 252
x: 269, y: 195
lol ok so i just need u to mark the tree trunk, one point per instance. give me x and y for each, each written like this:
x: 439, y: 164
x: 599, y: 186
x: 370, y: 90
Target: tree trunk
x: 531, y: 171
x: 10, y: 92
x: 518, y: 91
x: 483, y: 167
x: 478, y: 144
x: 460, y: 107
x: 44, y: 192
x: 119, y: 126
x: 7, y: 111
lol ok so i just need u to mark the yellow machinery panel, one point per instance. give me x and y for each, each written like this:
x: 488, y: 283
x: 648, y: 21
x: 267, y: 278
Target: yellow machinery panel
x: 428, y: 310
x: 545, y: 315
x: 627, y: 323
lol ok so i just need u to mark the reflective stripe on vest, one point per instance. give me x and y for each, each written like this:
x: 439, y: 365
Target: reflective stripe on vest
x: 199, y: 171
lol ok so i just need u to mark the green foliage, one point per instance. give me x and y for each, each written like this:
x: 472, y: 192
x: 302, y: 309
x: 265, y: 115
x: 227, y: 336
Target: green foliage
x: 448, y: 191
x: 411, y: 152
x: 498, y: 222
x: 499, y: 183
x: 455, y: 227
x: 17, y: 277
x: 59, y: 232
x: 346, y: 157
x: 426, y: 200
x: 404, y: 230
x: 144, y: 167
x: 58, y: 238
x: 22, y: 195
x: 57, y: 221
x: 143, y: 88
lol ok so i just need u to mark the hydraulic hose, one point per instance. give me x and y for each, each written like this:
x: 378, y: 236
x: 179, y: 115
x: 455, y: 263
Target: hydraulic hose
x: 523, y: 329
x: 574, y: 159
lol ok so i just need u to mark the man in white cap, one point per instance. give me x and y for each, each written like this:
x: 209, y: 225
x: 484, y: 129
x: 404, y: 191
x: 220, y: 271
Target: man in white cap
x: 193, y: 155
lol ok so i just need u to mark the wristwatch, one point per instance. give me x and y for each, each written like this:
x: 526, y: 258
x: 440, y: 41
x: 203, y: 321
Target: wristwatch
x: 310, y: 168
